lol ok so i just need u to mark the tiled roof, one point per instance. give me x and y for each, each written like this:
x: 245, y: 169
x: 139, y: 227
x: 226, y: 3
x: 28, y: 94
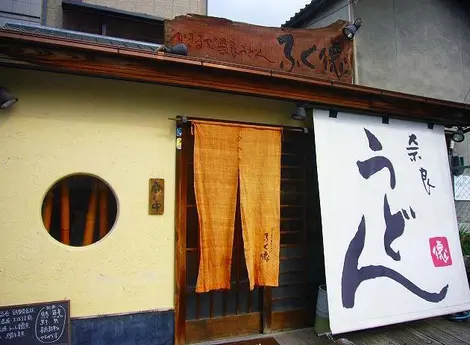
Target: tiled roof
x: 83, y: 37
x: 304, y: 14
x: 309, y: 10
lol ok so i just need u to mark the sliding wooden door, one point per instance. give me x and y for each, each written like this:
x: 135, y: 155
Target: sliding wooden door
x: 239, y: 311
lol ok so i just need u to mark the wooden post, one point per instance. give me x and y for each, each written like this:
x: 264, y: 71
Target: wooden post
x: 90, y: 217
x: 103, y: 210
x: 267, y: 309
x: 65, y: 213
x: 180, y: 238
x: 47, y: 212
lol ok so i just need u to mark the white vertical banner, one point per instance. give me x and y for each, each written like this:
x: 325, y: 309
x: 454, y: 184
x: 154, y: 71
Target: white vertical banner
x: 392, y: 249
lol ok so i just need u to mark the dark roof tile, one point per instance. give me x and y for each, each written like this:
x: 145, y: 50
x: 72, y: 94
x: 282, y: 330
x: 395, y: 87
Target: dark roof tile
x: 304, y: 14
x: 82, y: 36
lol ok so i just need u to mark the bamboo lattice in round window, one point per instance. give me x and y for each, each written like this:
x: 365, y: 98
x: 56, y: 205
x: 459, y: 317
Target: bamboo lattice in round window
x: 79, y: 210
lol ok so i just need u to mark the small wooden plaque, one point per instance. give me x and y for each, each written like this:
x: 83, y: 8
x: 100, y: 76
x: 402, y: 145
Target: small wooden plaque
x: 156, y: 196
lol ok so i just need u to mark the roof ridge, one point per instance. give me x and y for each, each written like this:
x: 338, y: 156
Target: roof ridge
x: 303, y: 13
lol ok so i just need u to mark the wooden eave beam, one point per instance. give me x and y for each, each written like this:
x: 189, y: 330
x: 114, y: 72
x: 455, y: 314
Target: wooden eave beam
x: 76, y: 57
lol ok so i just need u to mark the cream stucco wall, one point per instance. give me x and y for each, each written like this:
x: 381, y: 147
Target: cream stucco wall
x: 119, y: 131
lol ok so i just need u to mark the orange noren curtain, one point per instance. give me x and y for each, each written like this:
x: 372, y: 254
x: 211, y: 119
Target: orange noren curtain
x: 260, y: 198
x: 224, y: 154
x: 215, y: 186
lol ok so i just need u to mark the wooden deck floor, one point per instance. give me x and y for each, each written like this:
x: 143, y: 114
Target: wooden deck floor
x: 437, y: 331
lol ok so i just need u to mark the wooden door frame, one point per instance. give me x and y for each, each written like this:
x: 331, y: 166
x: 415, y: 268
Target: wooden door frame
x: 180, y: 250
x: 180, y: 241
x: 270, y: 321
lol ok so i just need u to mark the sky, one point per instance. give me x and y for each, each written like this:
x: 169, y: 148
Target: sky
x: 260, y: 12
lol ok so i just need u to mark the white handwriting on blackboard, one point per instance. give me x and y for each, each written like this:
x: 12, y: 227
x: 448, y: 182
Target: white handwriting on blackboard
x: 22, y: 311
x: 47, y: 321
x: 23, y: 318
x: 13, y: 335
x: 49, y: 338
x: 50, y: 324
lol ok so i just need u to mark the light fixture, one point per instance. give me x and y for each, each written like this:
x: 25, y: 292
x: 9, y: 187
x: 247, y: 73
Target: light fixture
x: 350, y: 30
x: 6, y: 99
x: 299, y: 114
x: 177, y: 49
x: 458, y: 136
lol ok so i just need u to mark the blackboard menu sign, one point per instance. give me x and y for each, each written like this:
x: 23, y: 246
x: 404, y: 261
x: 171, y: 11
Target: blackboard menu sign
x: 39, y: 323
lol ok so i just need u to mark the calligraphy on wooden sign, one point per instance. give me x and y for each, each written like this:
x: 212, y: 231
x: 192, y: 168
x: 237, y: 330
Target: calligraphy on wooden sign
x: 322, y: 52
x: 156, y: 196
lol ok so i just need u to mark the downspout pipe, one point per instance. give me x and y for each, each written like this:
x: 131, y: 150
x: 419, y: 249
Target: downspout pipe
x: 44, y: 13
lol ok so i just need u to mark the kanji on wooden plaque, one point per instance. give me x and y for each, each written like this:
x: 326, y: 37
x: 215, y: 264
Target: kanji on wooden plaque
x: 156, y: 196
x: 323, y: 52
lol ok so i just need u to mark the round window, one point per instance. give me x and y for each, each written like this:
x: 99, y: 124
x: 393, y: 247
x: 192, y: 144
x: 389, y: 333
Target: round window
x: 79, y: 210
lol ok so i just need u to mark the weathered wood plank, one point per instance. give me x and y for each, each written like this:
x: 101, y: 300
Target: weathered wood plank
x: 459, y: 330
x: 405, y: 335
x: 376, y: 336
x: 301, y: 337
x: 435, y: 333
x: 223, y: 327
x: 372, y: 339
x: 286, y: 320
x: 430, y: 332
x: 257, y: 341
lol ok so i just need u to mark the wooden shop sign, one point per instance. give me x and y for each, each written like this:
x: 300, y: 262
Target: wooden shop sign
x: 322, y: 52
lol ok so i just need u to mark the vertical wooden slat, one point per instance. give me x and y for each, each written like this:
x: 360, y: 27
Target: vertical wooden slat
x: 267, y: 303
x: 103, y: 210
x: 305, y: 237
x: 249, y: 303
x: 211, y: 306
x: 91, y: 217
x: 198, y: 306
x: 267, y: 309
x: 47, y: 212
x: 180, y: 240
x: 64, y: 213
x: 224, y: 302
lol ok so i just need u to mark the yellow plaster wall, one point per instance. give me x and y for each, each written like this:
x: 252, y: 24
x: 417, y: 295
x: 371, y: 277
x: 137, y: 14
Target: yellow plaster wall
x: 119, y: 131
